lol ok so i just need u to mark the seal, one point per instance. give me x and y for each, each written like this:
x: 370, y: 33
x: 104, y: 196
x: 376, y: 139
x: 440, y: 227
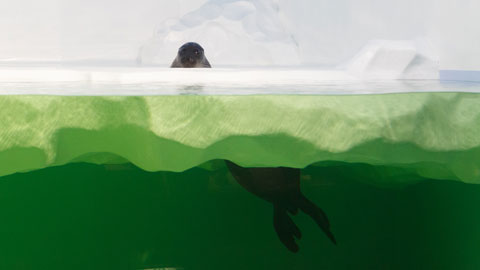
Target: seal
x: 190, y: 55
x: 281, y: 187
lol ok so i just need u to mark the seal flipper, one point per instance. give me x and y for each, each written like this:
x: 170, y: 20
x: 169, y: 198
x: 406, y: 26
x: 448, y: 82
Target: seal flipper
x: 292, y: 209
x: 317, y: 214
x: 285, y: 228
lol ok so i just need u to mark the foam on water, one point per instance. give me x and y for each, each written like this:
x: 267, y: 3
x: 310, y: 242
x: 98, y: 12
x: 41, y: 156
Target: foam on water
x: 218, y: 81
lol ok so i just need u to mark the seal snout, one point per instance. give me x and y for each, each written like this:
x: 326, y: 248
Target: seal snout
x: 189, y: 59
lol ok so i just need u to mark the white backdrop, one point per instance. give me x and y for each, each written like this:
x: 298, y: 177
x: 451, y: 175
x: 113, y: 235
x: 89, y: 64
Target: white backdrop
x: 233, y: 32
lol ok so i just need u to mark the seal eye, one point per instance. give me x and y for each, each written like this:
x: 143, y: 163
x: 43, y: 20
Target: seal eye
x: 196, y: 52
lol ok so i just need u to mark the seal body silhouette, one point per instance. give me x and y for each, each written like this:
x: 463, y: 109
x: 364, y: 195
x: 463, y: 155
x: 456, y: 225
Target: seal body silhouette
x: 281, y: 187
x: 190, y: 55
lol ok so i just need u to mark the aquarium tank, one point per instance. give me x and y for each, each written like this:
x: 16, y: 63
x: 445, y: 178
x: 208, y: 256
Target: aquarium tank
x: 310, y: 134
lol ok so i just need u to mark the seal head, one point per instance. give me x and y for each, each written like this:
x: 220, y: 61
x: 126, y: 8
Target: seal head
x: 190, y: 55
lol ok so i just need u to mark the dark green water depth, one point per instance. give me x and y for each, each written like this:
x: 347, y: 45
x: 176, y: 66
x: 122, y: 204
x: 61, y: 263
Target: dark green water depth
x: 83, y: 216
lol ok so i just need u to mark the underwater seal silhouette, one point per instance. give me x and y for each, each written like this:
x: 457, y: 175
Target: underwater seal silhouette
x: 280, y: 186
x: 190, y: 55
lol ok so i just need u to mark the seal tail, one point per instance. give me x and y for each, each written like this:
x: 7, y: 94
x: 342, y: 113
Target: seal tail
x: 317, y: 214
x: 285, y: 228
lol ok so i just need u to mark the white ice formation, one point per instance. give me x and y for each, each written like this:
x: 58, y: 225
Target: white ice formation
x: 400, y: 59
x: 245, y: 33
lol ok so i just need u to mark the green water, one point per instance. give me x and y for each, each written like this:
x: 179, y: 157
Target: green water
x: 83, y: 216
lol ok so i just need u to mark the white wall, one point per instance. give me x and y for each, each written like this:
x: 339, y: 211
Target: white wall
x: 327, y: 32
x: 79, y: 29
x: 455, y: 31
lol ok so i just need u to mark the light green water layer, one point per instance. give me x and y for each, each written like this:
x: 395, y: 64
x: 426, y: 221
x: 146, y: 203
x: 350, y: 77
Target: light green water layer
x: 406, y: 137
x: 84, y: 216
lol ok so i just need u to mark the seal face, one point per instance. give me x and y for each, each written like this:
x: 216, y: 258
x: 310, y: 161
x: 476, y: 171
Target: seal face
x: 190, y: 55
